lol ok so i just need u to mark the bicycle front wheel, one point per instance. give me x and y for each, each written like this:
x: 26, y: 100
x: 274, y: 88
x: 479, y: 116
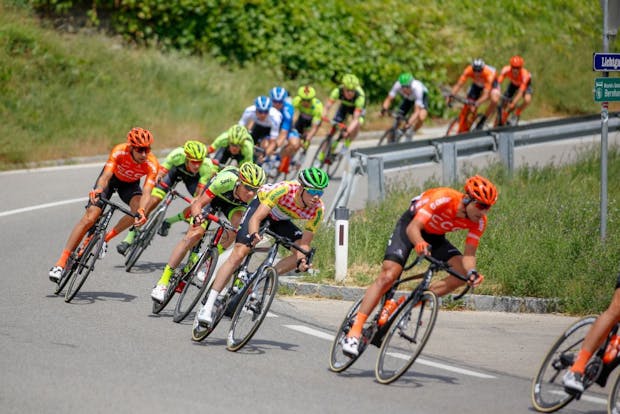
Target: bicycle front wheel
x: 322, y: 153
x: 172, y: 287
x: 548, y: 393
x: 85, y: 264
x: 144, y: 238
x: 66, y: 275
x: 194, y: 289
x: 453, y: 127
x: 252, y: 308
x: 406, y: 337
x: 387, y: 137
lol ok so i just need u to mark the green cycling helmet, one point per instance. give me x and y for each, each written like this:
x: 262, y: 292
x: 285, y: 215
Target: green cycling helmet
x: 252, y: 174
x: 306, y: 92
x: 350, y: 81
x: 313, y: 178
x: 237, y: 134
x: 195, y: 150
x: 405, y: 79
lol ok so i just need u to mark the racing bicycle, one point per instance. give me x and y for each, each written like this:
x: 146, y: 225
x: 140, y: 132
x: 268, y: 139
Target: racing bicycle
x: 144, y: 235
x: 249, y: 296
x: 82, y: 259
x: 403, y: 336
x: 329, y: 156
x: 394, y: 133
x: 191, y: 280
x: 506, y: 116
x: 548, y: 393
x: 468, y: 118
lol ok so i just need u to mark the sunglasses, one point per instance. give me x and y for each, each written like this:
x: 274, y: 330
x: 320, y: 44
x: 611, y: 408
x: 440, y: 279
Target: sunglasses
x: 262, y: 112
x: 250, y: 188
x: 195, y: 162
x: 482, y: 206
x: 314, y: 192
x: 142, y: 150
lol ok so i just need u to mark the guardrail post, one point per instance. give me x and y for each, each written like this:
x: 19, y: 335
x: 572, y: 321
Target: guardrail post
x: 342, y: 242
x: 506, y: 147
x: 448, y: 162
x: 376, y: 179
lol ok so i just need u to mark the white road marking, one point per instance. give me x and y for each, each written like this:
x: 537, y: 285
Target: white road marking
x: 329, y: 337
x: 54, y: 168
x: 584, y: 398
x: 40, y: 206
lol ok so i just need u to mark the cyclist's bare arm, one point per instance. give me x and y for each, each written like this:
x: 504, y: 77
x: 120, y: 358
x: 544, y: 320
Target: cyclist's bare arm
x: 328, y: 105
x: 259, y: 215
x: 386, y: 104
x: 199, y: 203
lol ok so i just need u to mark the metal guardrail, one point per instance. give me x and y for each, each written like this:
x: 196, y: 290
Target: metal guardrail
x: 374, y: 161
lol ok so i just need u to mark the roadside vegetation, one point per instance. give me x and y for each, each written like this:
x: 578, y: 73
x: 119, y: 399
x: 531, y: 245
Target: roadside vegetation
x: 76, y: 76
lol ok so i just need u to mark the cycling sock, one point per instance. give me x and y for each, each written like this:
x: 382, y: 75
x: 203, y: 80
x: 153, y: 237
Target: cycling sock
x: 165, y: 276
x: 62, y: 261
x: 131, y: 235
x: 518, y: 112
x: 356, y: 329
x: 176, y: 219
x: 211, y: 299
x: 111, y: 234
x: 582, y: 359
x: 284, y: 163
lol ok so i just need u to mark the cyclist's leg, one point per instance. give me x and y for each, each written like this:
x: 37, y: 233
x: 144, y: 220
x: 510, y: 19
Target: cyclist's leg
x: 288, y: 229
x: 494, y: 97
x: 130, y: 193
x: 527, y: 98
x: 291, y: 147
x: 595, y: 337
x: 443, y: 250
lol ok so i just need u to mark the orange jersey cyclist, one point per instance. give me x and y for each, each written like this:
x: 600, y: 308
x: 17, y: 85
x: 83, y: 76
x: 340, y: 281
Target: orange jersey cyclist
x: 422, y: 228
x: 484, y: 87
x: 520, y: 85
x: 276, y: 205
x: 188, y: 164
x: 126, y: 164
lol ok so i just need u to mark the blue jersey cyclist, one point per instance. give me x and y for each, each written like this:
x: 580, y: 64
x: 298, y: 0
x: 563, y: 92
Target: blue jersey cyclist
x: 234, y: 144
x: 263, y: 121
x: 276, y: 205
x: 228, y: 192
x: 188, y: 164
x: 305, y: 127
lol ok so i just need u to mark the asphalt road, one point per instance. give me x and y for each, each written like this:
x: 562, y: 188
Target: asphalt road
x: 105, y: 352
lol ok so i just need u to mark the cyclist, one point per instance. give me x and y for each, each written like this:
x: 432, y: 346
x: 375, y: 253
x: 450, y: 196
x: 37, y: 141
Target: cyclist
x: 280, y: 100
x: 415, y: 95
x: 236, y: 143
x: 263, y: 121
x: 187, y: 164
x: 573, y: 379
x: 276, y: 205
x: 484, y: 87
x: 352, y: 102
x: 520, y: 84
x: 305, y: 127
x: 229, y: 192
x: 126, y: 164
x: 423, y: 226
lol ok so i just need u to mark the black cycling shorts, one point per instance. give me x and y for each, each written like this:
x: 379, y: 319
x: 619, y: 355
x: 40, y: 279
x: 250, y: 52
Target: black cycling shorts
x: 284, y: 228
x: 399, y: 246
x: 125, y: 190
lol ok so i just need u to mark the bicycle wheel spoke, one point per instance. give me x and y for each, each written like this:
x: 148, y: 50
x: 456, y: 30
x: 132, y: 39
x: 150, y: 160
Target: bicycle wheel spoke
x: 548, y: 393
x: 406, y: 337
x: 252, y: 308
x: 194, y: 289
x: 85, y: 264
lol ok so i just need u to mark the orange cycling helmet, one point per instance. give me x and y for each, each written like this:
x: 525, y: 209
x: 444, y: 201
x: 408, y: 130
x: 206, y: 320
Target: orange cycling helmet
x: 480, y: 189
x: 516, y: 61
x: 139, y: 137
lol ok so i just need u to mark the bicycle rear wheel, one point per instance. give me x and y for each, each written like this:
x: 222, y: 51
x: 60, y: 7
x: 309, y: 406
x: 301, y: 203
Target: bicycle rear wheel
x: 170, y: 291
x: 193, y: 290
x: 548, y: 393
x: 85, y: 264
x: 406, y: 337
x: 144, y: 238
x: 66, y: 275
x: 252, y: 308
x: 338, y: 360
x: 322, y: 153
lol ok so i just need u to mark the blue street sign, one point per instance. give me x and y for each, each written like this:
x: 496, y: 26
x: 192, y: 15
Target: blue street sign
x: 606, y: 62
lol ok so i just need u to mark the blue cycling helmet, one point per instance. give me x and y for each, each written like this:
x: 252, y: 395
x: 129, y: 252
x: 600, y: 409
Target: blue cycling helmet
x: 263, y: 104
x: 278, y: 94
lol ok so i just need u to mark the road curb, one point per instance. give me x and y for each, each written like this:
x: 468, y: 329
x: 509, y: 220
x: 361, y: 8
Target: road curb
x: 509, y: 304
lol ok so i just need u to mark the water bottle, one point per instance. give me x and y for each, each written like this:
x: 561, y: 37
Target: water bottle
x: 612, y: 349
x: 388, y: 309
x: 240, y: 281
